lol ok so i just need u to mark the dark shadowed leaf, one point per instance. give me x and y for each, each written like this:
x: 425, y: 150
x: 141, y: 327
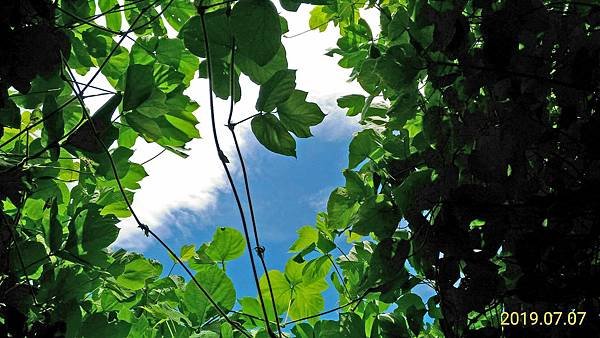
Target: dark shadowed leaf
x: 257, y: 30
x: 277, y: 90
x: 138, y: 85
x: 271, y: 133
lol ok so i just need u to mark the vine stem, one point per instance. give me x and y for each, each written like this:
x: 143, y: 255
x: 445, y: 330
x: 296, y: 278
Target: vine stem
x: 328, y: 311
x: 260, y: 250
x: 19, y: 253
x: 337, y: 271
x: 233, y: 124
x: 224, y: 162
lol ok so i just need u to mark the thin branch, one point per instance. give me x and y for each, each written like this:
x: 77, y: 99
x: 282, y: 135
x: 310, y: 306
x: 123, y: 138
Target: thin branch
x: 153, y: 157
x: 154, y: 18
x: 306, y: 31
x: 337, y: 271
x: 233, y: 124
x: 108, y: 91
x: 328, y: 311
x: 96, y: 95
x: 13, y: 237
x: 260, y: 249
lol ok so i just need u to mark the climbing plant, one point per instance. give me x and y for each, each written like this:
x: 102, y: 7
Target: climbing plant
x: 474, y: 173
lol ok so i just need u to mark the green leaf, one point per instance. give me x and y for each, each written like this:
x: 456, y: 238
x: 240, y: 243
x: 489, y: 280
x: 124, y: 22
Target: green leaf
x: 319, y: 17
x: 53, y: 228
x: 412, y: 307
x: 353, y: 102
x: 76, y: 9
x: 154, y: 105
x: 218, y: 286
x: 40, y: 87
x: 10, y: 115
x: 308, y: 300
x: 116, y: 67
x: 298, y: 116
x: 200, y: 258
x: 113, y: 20
x: 187, y: 252
x: 271, y: 133
x: 398, y: 26
x: 388, y: 252
x: 340, y: 208
x: 324, y: 244
x: 113, y: 203
x: 227, y: 244
x: 368, y: 78
x: 178, y: 13
x: 290, y: 5
x: 166, y: 78
x: 98, y: 42
x: 83, y: 138
x: 136, y: 273
x: 316, y: 269
x: 282, y: 291
x: 29, y: 254
x: 139, y: 84
x: 257, y: 30
x: 277, y: 90
x: 218, y: 31
x: 172, y: 130
x: 89, y: 231
x: 217, y: 28
x: 352, y: 325
x: 97, y: 325
x: 221, y: 79
x: 433, y: 308
x: 357, y: 185
x: 226, y: 331
x: 408, y: 191
x: 145, y: 14
x: 251, y: 306
x: 377, y: 215
x: 261, y: 74
x: 54, y: 124
x: 362, y: 146
x: 303, y: 297
x: 307, y: 235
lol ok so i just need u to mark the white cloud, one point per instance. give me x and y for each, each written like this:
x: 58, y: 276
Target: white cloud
x: 195, y: 183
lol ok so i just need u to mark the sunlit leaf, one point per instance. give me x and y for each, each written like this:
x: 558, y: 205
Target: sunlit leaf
x: 227, y: 244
